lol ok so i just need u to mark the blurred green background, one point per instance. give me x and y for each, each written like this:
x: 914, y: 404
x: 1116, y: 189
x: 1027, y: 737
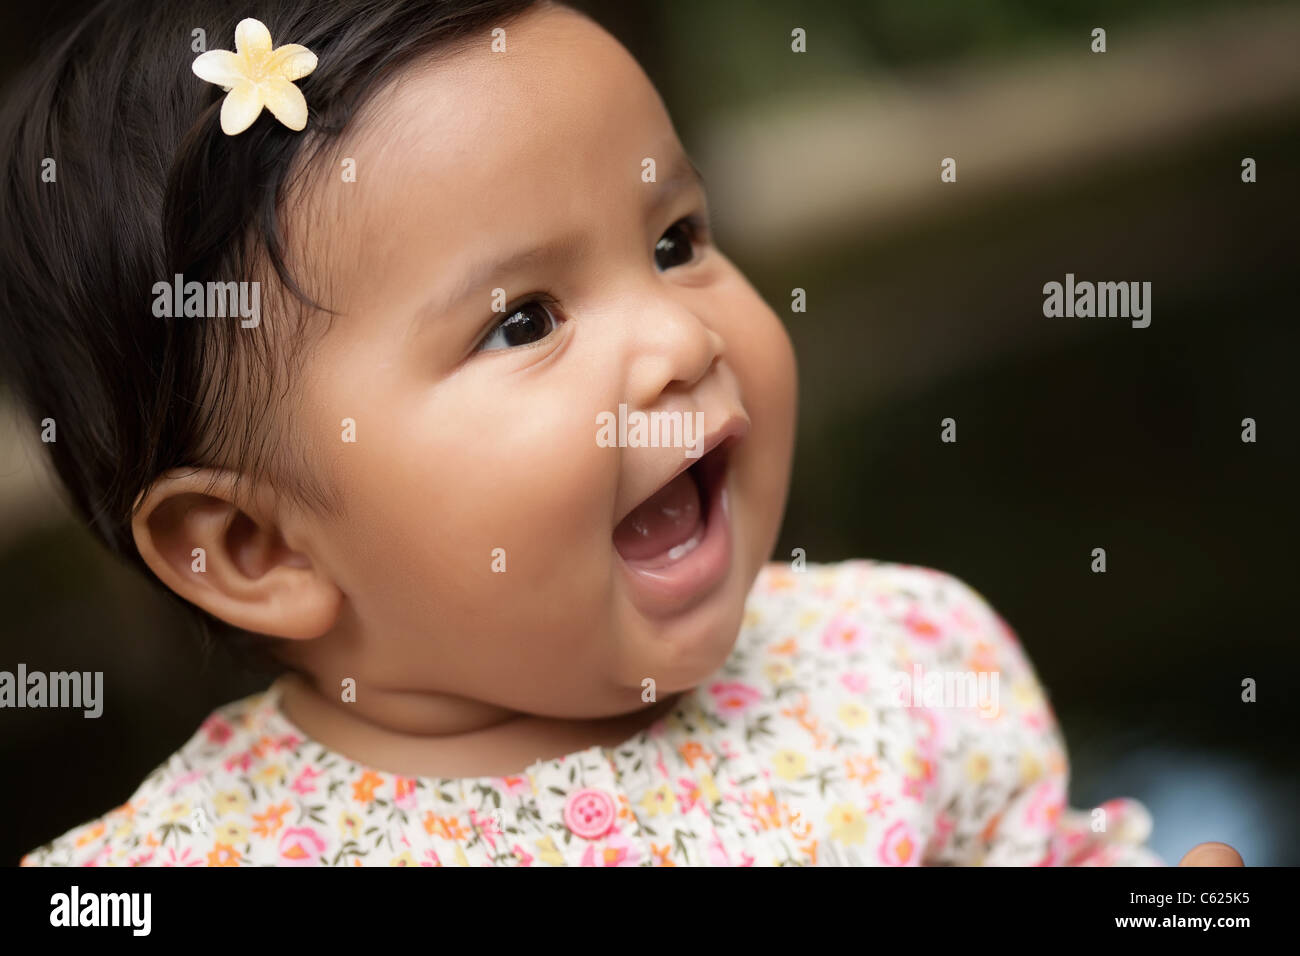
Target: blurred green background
x: 924, y: 302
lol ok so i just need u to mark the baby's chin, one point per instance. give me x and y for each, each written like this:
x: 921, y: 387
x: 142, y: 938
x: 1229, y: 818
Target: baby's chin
x: 681, y: 652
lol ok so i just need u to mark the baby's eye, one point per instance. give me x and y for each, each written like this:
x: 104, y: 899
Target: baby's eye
x: 530, y: 322
x: 677, y: 246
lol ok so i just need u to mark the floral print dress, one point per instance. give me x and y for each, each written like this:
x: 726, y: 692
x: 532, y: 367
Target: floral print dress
x: 809, y: 747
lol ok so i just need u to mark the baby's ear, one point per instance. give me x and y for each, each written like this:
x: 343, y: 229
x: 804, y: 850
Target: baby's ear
x: 231, y: 559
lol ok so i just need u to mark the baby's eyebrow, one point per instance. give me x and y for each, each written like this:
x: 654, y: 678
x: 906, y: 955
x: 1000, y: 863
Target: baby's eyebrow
x: 477, y: 276
x: 682, y: 176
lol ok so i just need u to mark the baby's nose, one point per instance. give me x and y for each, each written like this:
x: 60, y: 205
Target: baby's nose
x: 673, y: 348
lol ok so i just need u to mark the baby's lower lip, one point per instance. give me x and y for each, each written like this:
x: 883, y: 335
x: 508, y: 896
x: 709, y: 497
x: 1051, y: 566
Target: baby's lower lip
x: 663, y: 586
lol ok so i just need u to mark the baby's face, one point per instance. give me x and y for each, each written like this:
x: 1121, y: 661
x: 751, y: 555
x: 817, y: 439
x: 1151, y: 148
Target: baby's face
x: 494, y: 546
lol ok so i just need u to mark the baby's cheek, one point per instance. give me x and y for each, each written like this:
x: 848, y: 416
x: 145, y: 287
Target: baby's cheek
x: 782, y: 372
x: 759, y: 351
x: 481, y: 535
x: 764, y: 362
x: 766, y: 367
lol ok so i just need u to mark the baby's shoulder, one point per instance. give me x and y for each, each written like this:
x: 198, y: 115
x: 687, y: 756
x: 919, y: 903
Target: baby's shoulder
x: 867, y: 586
x: 173, y: 817
x: 808, y: 578
x: 861, y: 604
x: 889, y: 636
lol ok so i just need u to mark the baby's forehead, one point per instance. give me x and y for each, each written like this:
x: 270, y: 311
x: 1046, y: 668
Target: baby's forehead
x: 560, y: 79
x: 487, y: 139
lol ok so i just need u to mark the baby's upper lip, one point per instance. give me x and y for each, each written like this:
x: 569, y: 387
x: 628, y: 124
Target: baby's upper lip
x: 734, y: 428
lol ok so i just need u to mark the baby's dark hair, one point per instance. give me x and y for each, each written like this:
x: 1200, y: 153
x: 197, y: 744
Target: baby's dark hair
x: 144, y: 186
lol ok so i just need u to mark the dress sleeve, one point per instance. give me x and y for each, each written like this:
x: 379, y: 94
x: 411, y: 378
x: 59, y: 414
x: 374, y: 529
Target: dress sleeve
x: 1002, y: 773
x: 100, y: 842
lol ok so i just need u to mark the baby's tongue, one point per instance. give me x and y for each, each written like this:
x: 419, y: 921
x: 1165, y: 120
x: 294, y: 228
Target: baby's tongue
x: 666, y: 519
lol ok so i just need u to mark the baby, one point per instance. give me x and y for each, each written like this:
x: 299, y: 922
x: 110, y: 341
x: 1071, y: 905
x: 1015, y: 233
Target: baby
x: 509, y: 631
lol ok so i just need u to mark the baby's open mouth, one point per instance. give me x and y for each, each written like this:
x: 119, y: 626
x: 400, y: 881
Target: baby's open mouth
x: 672, y: 522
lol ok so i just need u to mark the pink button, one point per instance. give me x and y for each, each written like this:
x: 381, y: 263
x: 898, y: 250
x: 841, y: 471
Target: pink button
x: 589, y: 813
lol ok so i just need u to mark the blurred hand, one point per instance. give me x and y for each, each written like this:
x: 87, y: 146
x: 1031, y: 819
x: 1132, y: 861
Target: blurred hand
x: 1211, y: 854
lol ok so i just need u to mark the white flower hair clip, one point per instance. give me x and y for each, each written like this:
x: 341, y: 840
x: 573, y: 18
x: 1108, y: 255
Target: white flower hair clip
x: 257, y: 76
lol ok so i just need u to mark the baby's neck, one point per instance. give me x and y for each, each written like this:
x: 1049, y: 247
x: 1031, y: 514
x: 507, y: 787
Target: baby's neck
x: 503, y: 744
